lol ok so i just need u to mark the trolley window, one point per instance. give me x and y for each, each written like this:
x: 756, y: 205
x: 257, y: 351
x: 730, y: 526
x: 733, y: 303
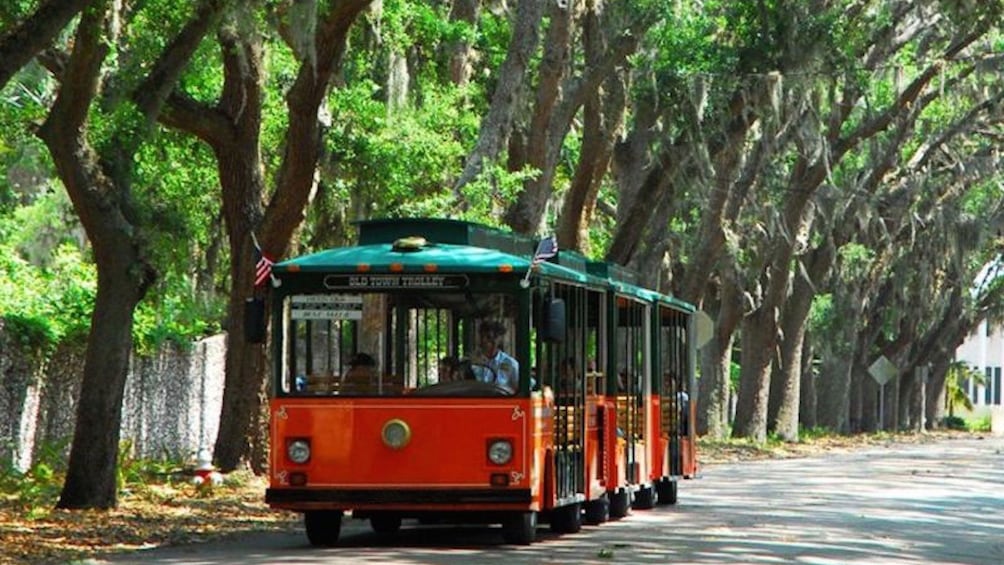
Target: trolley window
x: 397, y: 343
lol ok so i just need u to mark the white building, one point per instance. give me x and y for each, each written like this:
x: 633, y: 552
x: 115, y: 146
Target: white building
x: 984, y: 351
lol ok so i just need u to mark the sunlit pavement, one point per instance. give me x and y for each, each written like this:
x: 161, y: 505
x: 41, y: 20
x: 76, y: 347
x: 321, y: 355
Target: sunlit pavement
x: 909, y: 504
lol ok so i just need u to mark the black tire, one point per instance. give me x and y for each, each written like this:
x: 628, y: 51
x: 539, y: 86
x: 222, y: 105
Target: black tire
x: 644, y: 498
x: 567, y: 519
x: 385, y: 524
x: 520, y: 528
x: 620, y: 504
x: 597, y: 511
x: 666, y: 489
x: 323, y: 527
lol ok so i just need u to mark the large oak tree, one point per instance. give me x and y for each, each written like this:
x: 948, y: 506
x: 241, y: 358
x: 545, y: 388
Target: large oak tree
x: 97, y: 174
x: 232, y: 127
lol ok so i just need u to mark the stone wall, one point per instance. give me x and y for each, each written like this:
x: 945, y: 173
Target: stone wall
x: 171, y: 406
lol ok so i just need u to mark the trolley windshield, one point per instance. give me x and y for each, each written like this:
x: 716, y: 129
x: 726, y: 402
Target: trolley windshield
x: 400, y: 342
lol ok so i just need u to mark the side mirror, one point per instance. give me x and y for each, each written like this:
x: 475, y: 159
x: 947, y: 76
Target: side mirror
x: 552, y: 323
x: 254, y: 320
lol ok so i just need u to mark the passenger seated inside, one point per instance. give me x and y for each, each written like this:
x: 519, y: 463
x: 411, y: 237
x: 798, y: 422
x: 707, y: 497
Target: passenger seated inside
x: 449, y: 370
x: 568, y: 378
x: 361, y: 376
x: 683, y: 401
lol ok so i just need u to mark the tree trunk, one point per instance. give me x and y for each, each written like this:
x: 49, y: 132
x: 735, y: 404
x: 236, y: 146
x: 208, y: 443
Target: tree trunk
x: 834, y: 383
x: 545, y: 132
x: 244, y: 388
x: 460, y: 53
x: 783, y: 412
x: 580, y: 199
x: 807, y: 390
x: 632, y: 156
x: 91, y: 479
x: 912, y: 393
x: 559, y: 99
x: 935, y: 408
x: 602, y: 113
x: 727, y: 157
x: 98, y: 186
x: 867, y: 417
x: 232, y: 130
x: 511, y: 76
x: 760, y: 329
x: 713, y: 408
x: 758, y: 347
x: 628, y: 234
x: 833, y: 396
x: 239, y: 158
x: 240, y: 170
x: 857, y: 397
x: 787, y: 380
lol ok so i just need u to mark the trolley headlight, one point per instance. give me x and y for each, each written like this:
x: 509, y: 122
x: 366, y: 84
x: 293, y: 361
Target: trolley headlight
x: 298, y: 451
x: 396, y: 434
x: 500, y: 451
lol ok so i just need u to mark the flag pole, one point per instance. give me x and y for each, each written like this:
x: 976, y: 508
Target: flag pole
x: 525, y: 282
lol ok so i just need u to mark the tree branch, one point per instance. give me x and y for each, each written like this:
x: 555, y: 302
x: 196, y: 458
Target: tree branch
x: 187, y: 114
x: 295, y: 178
x: 498, y: 119
x: 34, y: 34
x: 153, y: 91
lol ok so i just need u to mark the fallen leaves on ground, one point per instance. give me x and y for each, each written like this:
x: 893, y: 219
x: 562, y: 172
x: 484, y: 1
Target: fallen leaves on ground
x: 178, y: 512
x: 159, y: 514
x: 712, y: 452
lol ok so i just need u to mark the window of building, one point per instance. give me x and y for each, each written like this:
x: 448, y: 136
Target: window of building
x: 987, y: 387
x: 997, y: 385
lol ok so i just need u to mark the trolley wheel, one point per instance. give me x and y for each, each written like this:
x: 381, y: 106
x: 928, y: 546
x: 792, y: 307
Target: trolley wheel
x: 644, y: 499
x: 597, y: 511
x: 620, y: 504
x: 323, y: 527
x: 567, y: 519
x: 385, y: 524
x: 666, y: 489
x: 520, y: 528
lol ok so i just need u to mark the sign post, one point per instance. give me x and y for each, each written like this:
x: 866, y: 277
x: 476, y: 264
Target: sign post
x: 882, y: 370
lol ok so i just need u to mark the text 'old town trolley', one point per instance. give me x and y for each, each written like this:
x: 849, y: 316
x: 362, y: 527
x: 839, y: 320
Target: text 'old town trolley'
x: 446, y: 371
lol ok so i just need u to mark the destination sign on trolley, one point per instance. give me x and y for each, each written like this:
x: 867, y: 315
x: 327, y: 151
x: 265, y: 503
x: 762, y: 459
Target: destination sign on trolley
x: 394, y: 281
x: 326, y: 307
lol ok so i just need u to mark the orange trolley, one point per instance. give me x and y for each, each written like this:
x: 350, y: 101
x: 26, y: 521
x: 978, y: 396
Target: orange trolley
x: 444, y: 370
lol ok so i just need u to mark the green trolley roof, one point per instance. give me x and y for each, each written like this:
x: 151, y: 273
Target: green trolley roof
x: 447, y: 258
x: 424, y: 245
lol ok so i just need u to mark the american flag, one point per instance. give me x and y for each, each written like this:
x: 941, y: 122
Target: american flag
x: 547, y: 248
x: 262, y: 267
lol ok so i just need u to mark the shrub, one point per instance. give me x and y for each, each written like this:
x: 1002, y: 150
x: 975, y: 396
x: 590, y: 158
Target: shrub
x: 981, y: 424
x: 954, y: 423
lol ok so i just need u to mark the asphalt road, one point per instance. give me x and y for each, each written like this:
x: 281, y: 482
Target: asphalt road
x: 908, y: 504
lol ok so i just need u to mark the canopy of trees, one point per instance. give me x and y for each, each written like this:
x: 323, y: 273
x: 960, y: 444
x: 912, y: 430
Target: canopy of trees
x: 820, y: 177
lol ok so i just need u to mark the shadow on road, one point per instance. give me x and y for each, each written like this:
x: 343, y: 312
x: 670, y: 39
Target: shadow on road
x: 930, y: 503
